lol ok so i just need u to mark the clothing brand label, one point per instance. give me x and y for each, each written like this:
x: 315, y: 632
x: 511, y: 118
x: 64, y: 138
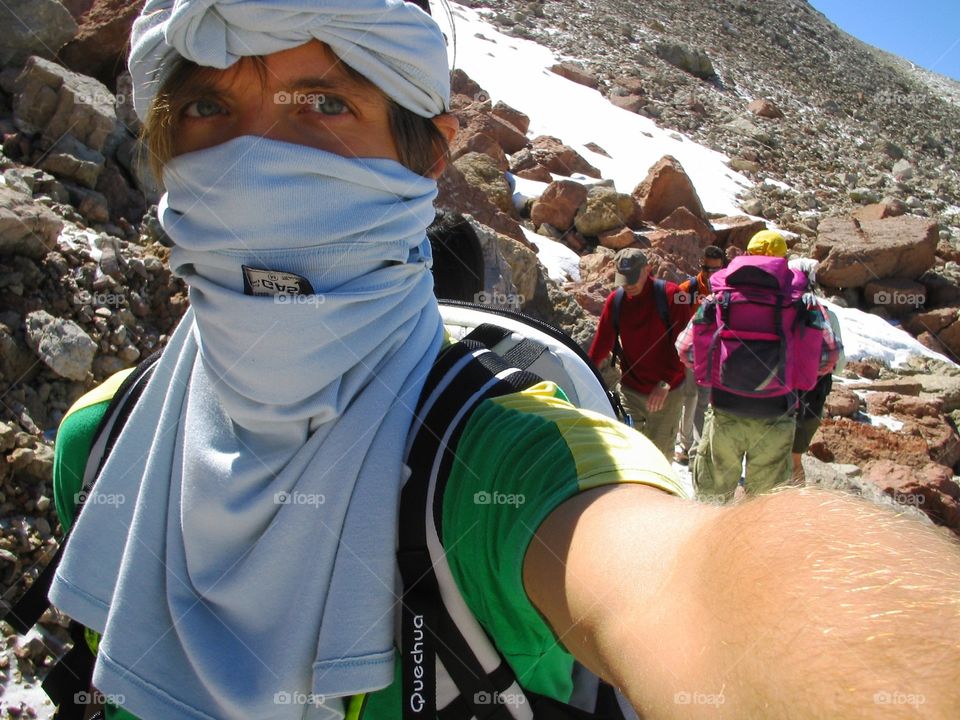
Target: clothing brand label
x: 274, y: 282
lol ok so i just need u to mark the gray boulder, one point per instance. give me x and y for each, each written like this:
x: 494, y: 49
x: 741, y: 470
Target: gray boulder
x: 33, y: 27
x: 56, y: 102
x: 26, y: 228
x: 482, y: 171
x: 696, y: 62
x: 511, y: 270
x: 69, y: 158
x: 62, y: 344
x: 604, y: 209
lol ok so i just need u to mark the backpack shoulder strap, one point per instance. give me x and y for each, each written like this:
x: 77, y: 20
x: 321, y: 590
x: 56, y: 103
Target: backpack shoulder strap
x: 436, y: 623
x: 464, y: 375
x: 615, y: 311
x: 660, y: 297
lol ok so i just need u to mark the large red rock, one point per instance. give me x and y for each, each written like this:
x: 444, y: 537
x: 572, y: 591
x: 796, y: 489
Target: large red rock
x: 943, y: 443
x: 683, y: 247
x: 930, y: 488
x: 479, y: 142
x: 765, y: 108
x: 666, y: 188
x: 481, y: 131
x: 589, y: 295
x: 932, y: 342
x: 683, y: 219
x: 462, y: 84
x: 949, y: 337
x: 534, y: 172
x: 933, y: 320
x: 511, y: 115
x: 100, y: 47
x: 888, y: 403
x: 632, y: 85
x: 597, y: 267
x: 846, y: 441
x: 631, y: 103
x: 887, y: 208
x: 457, y: 194
x: 898, y: 296
x: 941, y: 289
x: 576, y: 74
x: 736, y: 230
x: 559, y: 204
x: 617, y: 239
x: 559, y: 158
x: 77, y: 7
x: 852, y: 253
x: 841, y: 402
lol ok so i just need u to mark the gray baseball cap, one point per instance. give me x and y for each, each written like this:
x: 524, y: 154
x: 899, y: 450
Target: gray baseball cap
x: 629, y: 262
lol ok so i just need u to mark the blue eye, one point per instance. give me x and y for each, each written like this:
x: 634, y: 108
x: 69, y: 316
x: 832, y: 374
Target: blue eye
x: 203, y: 108
x: 326, y: 104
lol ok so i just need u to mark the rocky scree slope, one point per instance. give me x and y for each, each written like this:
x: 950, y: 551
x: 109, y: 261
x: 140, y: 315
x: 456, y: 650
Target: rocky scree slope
x: 857, y: 124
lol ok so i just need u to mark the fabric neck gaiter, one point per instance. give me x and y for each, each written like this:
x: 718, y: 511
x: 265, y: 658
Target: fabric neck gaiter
x: 253, y: 562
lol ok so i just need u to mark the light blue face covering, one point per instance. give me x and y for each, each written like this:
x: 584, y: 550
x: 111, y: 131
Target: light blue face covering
x: 249, y: 571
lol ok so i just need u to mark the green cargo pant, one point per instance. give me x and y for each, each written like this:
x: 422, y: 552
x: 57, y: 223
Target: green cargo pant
x: 661, y: 426
x: 727, y: 439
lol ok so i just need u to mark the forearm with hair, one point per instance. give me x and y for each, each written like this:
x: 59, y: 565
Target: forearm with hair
x: 800, y: 604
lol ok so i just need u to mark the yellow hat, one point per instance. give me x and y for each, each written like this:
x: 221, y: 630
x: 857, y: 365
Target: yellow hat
x: 767, y: 242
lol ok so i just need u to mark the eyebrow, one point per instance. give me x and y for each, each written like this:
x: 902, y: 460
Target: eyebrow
x: 313, y: 82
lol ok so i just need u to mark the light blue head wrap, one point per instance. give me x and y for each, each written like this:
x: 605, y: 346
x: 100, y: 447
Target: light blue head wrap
x: 392, y: 43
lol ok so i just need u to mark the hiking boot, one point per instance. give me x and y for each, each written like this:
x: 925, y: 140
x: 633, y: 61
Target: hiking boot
x: 682, y: 457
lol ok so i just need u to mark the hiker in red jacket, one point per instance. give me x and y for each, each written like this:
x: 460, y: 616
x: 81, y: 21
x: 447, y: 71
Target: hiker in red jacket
x: 642, y: 335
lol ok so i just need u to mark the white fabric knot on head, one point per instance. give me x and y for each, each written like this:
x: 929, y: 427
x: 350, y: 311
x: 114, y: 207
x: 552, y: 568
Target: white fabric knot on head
x: 392, y: 43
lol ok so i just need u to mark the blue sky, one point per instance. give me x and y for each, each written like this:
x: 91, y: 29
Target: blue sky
x: 926, y: 32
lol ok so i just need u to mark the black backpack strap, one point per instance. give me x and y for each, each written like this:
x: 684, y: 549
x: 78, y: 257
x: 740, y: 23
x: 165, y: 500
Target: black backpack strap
x: 463, y: 376
x: 33, y: 603
x: 71, y: 677
x: 663, y: 307
x: 615, y: 310
x: 522, y: 355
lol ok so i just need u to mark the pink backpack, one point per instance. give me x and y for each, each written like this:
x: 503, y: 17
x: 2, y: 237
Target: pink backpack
x: 754, y: 336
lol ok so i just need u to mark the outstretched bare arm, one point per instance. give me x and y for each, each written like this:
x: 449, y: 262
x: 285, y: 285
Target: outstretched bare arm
x: 800, y: 604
